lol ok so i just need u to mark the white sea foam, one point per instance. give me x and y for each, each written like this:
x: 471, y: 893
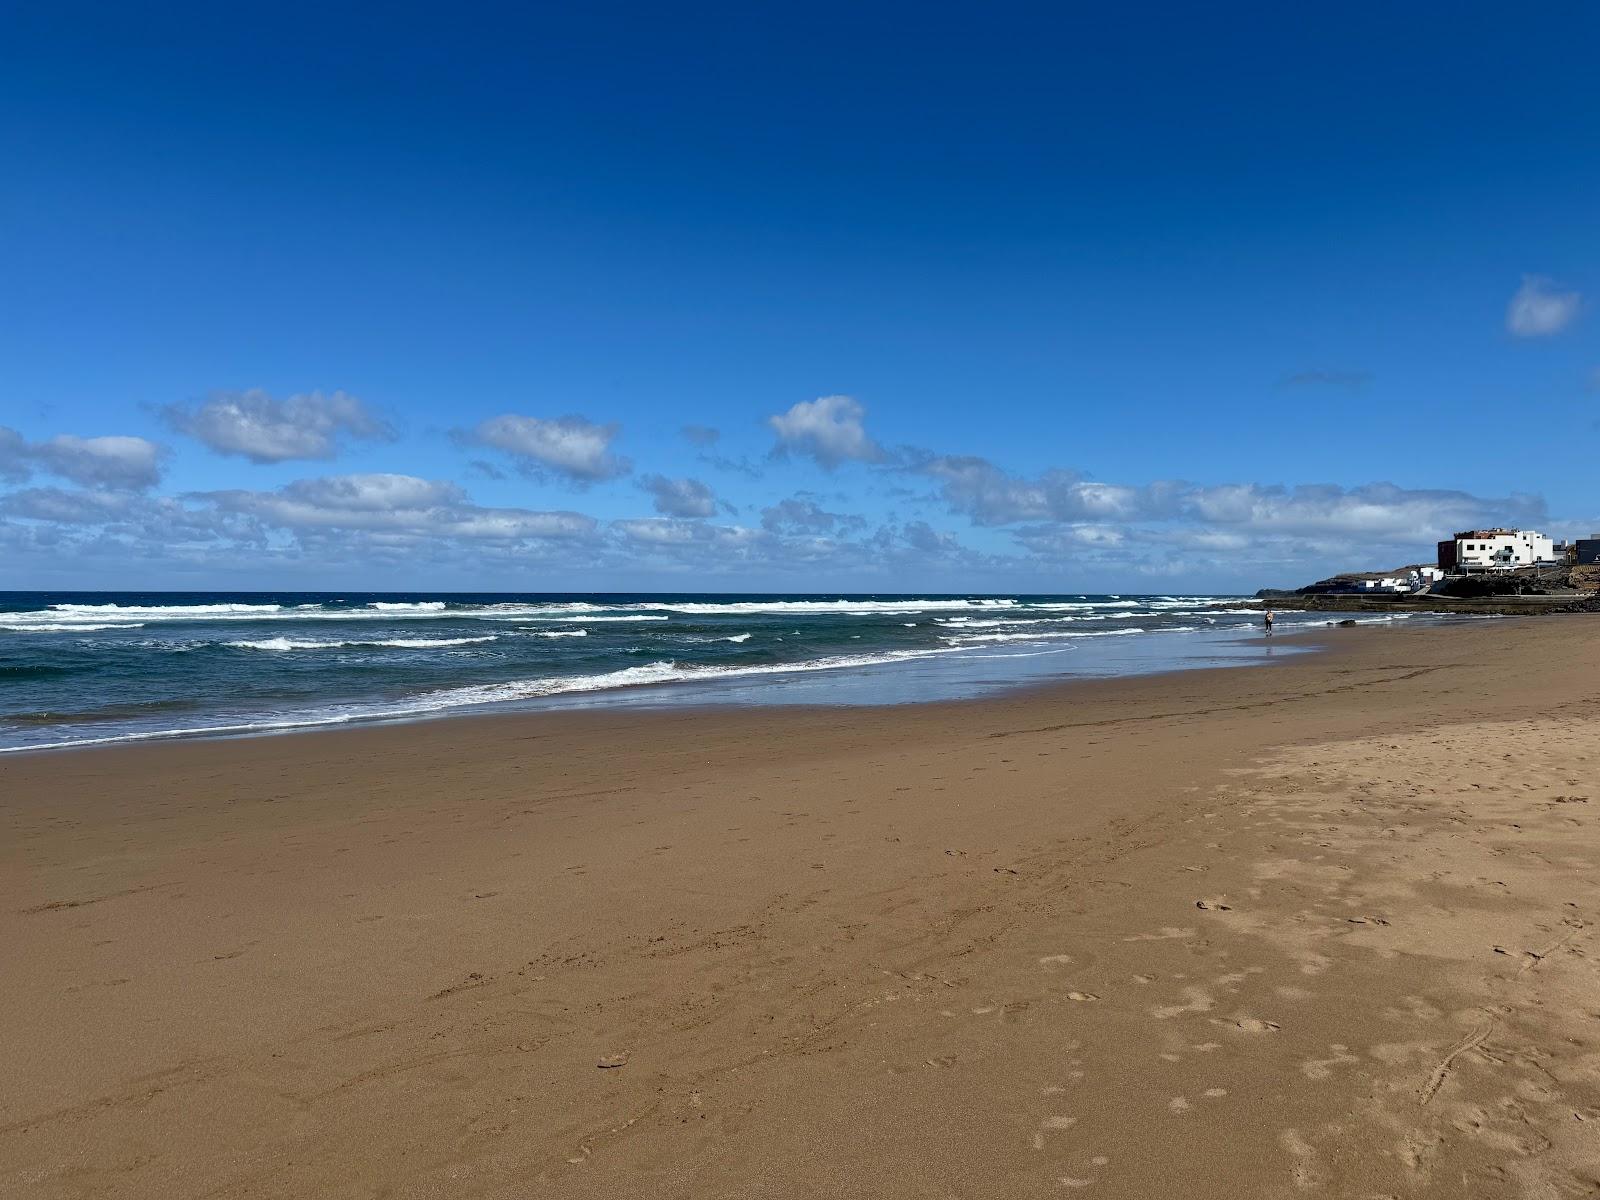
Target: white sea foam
x: 576, y: 610
x: 284, y: 643
x: 587, y: 619
x: 1011, y: 622
x: 58, y: 627
x: 1075, y: 605
x: 848, y: 608
x: 101, y: 614
x: 648, y: 674
x: 548, y: 633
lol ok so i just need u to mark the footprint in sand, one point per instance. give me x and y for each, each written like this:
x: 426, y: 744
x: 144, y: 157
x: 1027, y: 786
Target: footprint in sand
x: 1249, y: 1025
x: 1322, y: 1068
x: 1306, y: 1172
x: 1052, y: 1125
x: 1178, y: 1105
x: 1165, y: 934
x: 1199, y: 1001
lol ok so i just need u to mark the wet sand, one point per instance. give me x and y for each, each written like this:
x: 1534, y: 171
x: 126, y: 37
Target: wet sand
x: 1318, y: 928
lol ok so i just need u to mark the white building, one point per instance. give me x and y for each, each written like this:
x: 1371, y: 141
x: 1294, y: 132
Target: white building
x: 1496, y: 550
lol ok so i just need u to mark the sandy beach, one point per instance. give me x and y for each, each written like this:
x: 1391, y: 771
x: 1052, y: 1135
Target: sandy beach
x: 1324, y: 927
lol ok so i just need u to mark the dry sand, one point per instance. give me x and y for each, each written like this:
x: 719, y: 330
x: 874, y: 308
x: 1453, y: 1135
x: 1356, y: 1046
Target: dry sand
x: 1321, y: 928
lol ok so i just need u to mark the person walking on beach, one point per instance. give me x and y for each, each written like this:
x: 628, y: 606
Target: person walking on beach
x: 1267, y: 620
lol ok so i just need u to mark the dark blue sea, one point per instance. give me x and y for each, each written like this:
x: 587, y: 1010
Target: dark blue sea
x: 81, y: 668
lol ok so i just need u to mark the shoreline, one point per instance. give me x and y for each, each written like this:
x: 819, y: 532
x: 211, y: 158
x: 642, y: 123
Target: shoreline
x: 133, y: 666
x: 1211, y: 932
x: 1569, y: 604
x: 636, y: 698
x: 1314, y: 641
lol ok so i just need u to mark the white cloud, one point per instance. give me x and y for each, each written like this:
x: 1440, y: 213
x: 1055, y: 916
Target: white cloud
x: 799, y: 514
x: 992, y: 496
x: 126, y: 463
x: 701, y: 546
x: 256, y: 426
x: 14, y: 456
x: 680, y: 497
x: 989, y: 496
x: 925, y: 539
x: 64, y: 507
x: 828, y: 429
x: 659, y: 531
x: 397, y: 504
x: 1053, y: 529
x: 1376, y: 511
x: 115, y: 462
x: 573, y: 447
x: 1540, y: 308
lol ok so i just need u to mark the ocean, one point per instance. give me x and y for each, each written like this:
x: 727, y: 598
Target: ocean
x: 80, y: 668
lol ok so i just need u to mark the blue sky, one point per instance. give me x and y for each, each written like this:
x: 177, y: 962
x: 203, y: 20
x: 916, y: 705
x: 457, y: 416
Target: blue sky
x: 1042, y: 297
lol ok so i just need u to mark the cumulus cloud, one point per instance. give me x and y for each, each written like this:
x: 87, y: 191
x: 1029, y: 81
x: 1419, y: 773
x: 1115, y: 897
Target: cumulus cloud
x: 799, y: 514
x: 828, y: 429
x: 698, y: 544
x: 659, y: 531
x: 572, y: 447
x: 123, y: 463
x: 255, y: 425
x: 113, y: 462
x: 146, y: 528
x: 64, y: 507
x: 15, y: 465
x: 1379, y: 511
x: 1541, y: 308
x: 1051, y: 529
x: 925, y: 539
x: 991, y: 496
x: 680, y: 497
x: 396, y: 504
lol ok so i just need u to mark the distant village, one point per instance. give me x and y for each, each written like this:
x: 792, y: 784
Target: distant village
x: 1478, y: 562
